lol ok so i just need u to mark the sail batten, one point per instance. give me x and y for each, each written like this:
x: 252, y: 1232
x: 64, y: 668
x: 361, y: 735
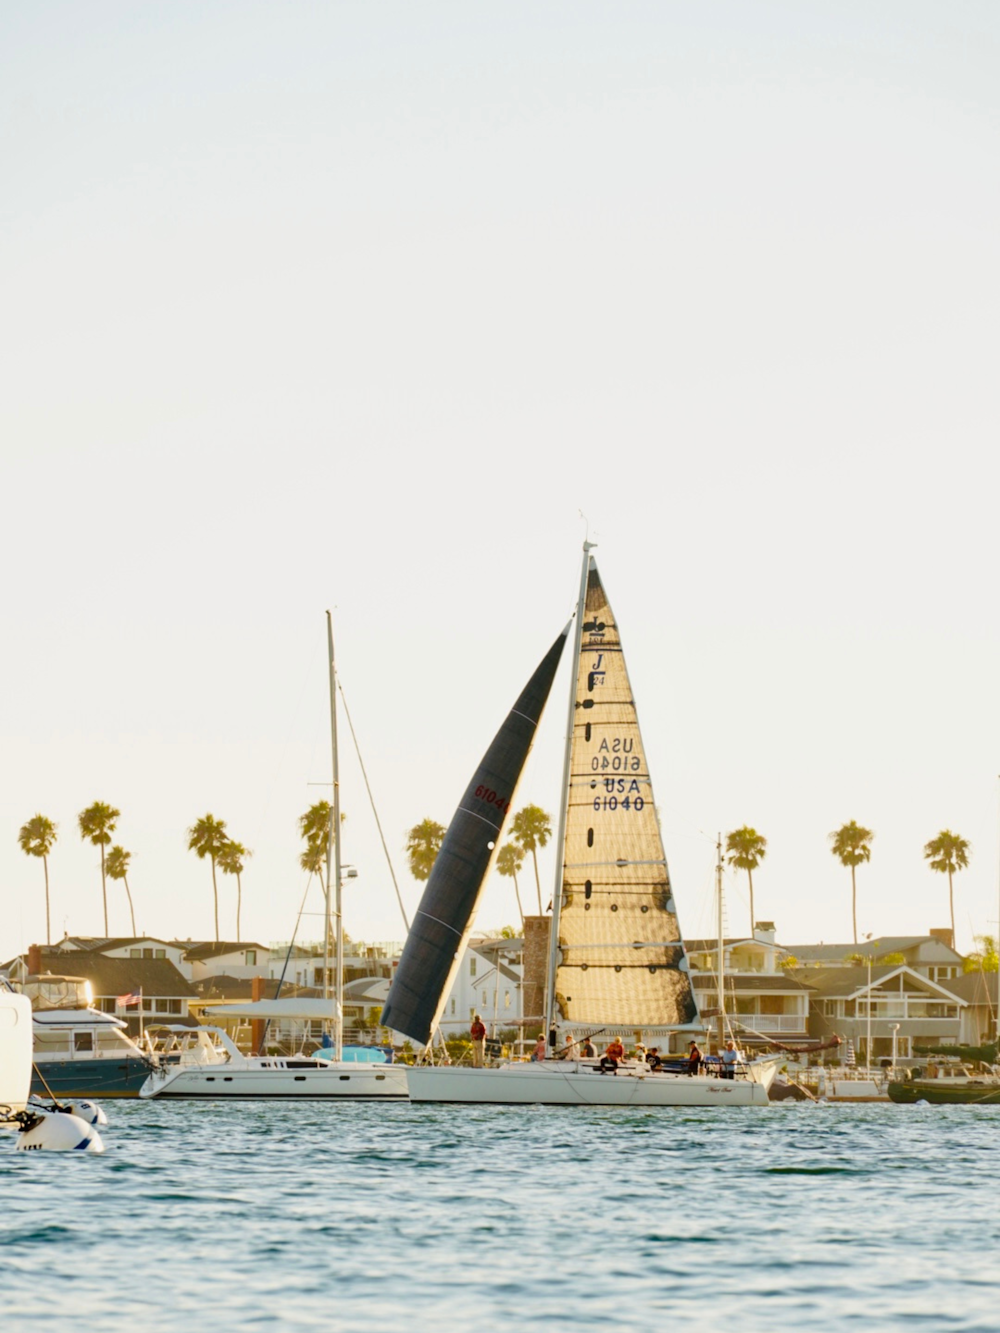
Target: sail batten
x: 433, y: 950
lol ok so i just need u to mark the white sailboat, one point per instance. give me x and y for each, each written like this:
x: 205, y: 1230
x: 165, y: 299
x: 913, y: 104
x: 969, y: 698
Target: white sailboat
x: 212, y: 1066
x: 617, y: 964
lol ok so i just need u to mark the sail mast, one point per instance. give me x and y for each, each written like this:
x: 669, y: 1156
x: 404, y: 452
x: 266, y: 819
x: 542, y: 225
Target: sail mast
x: 550, y: 995
x: 333, y: 876
x: 722, y: 952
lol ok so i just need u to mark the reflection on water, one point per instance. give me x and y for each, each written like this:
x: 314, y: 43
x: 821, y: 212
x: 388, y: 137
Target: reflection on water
x: 287, y: 1216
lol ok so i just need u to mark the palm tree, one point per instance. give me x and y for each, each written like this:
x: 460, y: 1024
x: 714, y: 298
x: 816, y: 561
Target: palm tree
x: 746, y: 848
x: 531, y: 829
x: 510, y: 859
x: 852, y: 846
x: 423, y: 842
x: 36, y: 838
x: 207, y: 838
x: 985, y: 958
x: 118, y: 859
x: 948, y: 853
x: 314, y: 826
x: 98, y: 823
x: 231, y: 856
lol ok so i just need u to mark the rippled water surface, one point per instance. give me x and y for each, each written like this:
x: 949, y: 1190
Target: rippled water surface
x: 285, y: 1216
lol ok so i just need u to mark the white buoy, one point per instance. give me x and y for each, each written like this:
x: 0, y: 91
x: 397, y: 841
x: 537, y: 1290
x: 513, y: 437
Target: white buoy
x: 89, y: 1112
x: 59, y: 1132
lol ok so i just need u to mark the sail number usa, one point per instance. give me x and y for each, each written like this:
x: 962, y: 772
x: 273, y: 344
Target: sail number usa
x: 620, y: 795
x: 493, y: 798
x: 615, y: 755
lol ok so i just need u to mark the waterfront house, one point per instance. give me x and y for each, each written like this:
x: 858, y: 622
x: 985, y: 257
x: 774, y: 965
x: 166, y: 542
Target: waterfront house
x: 898, y: 1000
x: 932, y: 955
x: 763, y: 1001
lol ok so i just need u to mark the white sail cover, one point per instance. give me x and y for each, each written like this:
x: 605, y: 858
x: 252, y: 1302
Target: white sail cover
x: 621, y: 962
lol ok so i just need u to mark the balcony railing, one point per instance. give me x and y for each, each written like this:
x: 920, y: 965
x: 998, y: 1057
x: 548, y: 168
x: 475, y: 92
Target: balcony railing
x: 772, y: 1022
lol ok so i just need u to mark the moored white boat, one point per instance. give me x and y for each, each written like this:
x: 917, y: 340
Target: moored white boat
x: 208, y: 1064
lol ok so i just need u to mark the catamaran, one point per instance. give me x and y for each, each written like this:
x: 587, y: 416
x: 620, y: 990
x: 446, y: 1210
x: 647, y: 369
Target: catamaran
x: 617, y: 964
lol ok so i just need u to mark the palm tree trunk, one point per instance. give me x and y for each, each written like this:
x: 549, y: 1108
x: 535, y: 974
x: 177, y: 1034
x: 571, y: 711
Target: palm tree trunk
x: 48, y: 928
x: 131, y: 909
x: 753, y: 919
x: 538, y: 882
x: 239, y: 903
x: 215, y: 894
x: 951, y: 907
x: 854, y: 905
x: 520, y: 909
x: 104, y: 892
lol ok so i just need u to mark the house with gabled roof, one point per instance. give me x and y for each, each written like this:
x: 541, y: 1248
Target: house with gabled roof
x: 162, y: 990
x: 933, y: 955
x: 763, y: 1002
x: 978, y: 1019
x: 235, y: 959
x: 899, y: 1001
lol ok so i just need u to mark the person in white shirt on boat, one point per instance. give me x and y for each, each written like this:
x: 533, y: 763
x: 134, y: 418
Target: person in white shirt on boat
x: 731, y: 1057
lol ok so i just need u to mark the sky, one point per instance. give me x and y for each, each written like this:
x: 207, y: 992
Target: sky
x: 383, y: 309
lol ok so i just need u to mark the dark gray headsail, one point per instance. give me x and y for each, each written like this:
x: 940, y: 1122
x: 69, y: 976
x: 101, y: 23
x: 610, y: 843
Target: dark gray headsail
x: 440, y: 929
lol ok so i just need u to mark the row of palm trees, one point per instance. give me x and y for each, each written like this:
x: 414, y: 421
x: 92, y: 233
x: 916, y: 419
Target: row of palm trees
x: 38, y: 835
x: 851, y: 844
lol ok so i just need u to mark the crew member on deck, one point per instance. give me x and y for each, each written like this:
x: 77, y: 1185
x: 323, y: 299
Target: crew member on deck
x: 694, y: 1058
x: 478, y: 1034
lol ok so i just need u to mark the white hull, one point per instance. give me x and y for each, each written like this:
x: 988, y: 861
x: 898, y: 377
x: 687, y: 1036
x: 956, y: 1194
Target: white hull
x: 572, y: 1083
x: 334, y: 1082
x: 15, y: 1051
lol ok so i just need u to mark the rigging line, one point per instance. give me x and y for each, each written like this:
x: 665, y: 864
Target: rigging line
x: 288, y: 955
x: 371, y: 798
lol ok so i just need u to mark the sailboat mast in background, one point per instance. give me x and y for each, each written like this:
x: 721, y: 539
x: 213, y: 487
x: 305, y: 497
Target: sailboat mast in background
x: 333, y: 874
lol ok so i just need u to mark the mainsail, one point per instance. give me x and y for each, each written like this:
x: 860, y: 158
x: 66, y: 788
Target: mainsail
x: 440, y: 929
x: 620, y: 961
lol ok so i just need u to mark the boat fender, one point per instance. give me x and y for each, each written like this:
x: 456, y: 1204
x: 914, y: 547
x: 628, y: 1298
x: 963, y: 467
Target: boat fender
x: 60, y: 1132
x: 89, y: 1112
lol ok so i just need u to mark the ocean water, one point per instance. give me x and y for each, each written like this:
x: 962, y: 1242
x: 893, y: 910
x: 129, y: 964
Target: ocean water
x: 308, y: 1216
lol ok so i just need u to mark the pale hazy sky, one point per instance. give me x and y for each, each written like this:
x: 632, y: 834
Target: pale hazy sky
x: 358, y: 305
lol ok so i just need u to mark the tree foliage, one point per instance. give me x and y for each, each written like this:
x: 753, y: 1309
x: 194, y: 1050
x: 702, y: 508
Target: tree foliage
x: 510, y: 859
x: 117, y: 867
x: 206, y: 837
x: 948, y: 853
x: 983, y: 959
x: 36, y: 837
x: 852, y: 845
x: 97, y: 823
x: 746, y: 849
x: 230, y: 858
x: 423, y: 842
x: 531, y: 828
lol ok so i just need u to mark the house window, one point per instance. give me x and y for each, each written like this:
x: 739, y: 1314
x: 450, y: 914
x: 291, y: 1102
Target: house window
x: 472, y: 967
x: 485, y: 999
x: 135, y: 953
x: 167, y: 1006
x: 147, y: 953
x: 453, y: 1007
x: 251, y: 957
x: 159, y: 953
x: 506, y: 999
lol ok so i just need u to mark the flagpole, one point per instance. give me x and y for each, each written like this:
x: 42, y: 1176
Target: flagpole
x: 142, y: 1036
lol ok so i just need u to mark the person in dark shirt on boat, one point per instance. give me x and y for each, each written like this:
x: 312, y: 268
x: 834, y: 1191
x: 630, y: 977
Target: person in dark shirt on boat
x: 587, y: 1051
x: 653, y: 1058
x: 478, y: 1034
x: 694, y: 1058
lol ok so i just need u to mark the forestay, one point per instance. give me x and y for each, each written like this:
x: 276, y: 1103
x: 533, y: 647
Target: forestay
x: 621, y: 960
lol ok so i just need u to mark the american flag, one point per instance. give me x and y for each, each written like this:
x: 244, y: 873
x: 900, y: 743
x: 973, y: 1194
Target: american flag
x: 126, y: 1001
